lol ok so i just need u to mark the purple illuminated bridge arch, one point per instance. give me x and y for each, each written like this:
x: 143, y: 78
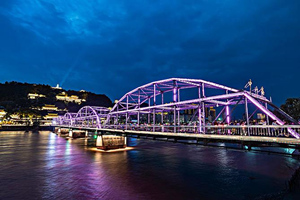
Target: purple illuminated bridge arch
x: 150, y: 99
x: 160, y: 106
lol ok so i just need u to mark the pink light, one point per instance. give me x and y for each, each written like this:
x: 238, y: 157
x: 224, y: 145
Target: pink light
x: 174, y: 95
x: 227, y: 115
x: 270, y: 114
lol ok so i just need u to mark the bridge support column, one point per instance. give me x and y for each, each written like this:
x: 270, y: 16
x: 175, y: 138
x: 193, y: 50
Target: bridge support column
x: 86, y: 133
x: 199, y: 118
x: 107, y: 142
x: 59, y: 131
x: 71, y: 133
x: 99, y: 141
x: 267, y: 119
x: 125, y: 141
x: 203, y: 117
x: 162, y: 113
x: 174, y: 120
x: 154, y: 120
x: 126, y: 122
x: 247, y: 115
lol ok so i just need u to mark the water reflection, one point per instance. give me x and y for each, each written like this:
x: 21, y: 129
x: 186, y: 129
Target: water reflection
x: 45, y: 166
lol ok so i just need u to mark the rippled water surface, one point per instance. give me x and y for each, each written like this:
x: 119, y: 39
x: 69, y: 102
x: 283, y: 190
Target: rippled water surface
x: 45, y: 166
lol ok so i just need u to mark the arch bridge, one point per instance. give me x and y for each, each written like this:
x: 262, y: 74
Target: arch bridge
x: 180, y: 107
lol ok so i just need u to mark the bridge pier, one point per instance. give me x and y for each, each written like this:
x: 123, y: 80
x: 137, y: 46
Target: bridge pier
x: 58, y: 131
x: 99, y: 142
x: 70, y: 133
x: 125, y: 141
x: 107, y: 142
x: 76, y: 133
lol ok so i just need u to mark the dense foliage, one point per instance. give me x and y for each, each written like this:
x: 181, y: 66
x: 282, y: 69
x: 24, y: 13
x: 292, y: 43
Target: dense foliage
x: 292, y: 107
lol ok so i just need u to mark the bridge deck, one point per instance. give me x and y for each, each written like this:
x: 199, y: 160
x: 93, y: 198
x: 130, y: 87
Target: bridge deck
x: 211, y: 137
x: 193, y: 136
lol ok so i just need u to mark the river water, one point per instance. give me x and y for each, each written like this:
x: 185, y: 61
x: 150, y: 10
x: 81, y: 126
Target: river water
x: 42, y: 165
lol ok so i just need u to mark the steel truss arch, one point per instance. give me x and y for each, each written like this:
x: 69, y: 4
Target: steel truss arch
x: 146, y: 108
x: 131, y: 104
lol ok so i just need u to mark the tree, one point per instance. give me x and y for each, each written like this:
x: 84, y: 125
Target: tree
x: 292, y: 107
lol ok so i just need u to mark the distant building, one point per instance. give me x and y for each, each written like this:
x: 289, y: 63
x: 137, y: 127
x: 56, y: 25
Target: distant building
x: 57, y: 87
x: 73, y: 98
x: 210, y: 113
x: 51, y: 116
x: 49, y: 107
x: 261, y: 116
x: 2, y: 113
x: 35, y: 96
x: 15, y: 116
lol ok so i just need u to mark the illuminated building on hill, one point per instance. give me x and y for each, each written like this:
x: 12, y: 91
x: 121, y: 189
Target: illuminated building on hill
x: 35, y: 95
x: 73, y: 98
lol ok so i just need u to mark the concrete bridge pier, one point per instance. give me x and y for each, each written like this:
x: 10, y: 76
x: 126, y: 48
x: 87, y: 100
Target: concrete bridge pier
x: 107, y: 142
x: 99, y: 142
x: 59, y: 132
x: 70, y: 133
x: 125, y: 140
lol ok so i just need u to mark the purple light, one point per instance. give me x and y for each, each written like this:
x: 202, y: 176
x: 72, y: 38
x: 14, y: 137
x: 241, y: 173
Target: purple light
x: 227, y: 115
x: 174, y: 95
x: 130, y: 103
x: 270, y: 114
x: 262, y: 108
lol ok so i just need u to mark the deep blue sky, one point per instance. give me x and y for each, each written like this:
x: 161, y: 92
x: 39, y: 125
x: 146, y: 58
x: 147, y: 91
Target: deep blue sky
x: 113, y: 46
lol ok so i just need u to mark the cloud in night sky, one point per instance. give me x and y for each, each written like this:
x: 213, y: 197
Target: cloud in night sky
x: 113, y: 46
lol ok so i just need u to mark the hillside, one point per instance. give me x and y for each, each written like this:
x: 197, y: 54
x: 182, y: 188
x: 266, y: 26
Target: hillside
x: 24, y: 98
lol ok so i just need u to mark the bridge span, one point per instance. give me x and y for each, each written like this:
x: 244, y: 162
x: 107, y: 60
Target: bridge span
x: 181, y: 108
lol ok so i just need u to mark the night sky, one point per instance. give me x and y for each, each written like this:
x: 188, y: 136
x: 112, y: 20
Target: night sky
x: 113, y: 46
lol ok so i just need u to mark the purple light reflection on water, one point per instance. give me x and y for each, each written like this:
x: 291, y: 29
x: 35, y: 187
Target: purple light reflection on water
x: 45, y: 166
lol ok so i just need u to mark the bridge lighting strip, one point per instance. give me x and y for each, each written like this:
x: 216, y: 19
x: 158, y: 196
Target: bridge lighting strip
x: 224, y: 96
x: 166, y: 81
x: 270, y: 114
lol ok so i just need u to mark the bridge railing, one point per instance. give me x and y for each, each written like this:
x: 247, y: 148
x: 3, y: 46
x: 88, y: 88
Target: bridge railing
x: 241, y: 130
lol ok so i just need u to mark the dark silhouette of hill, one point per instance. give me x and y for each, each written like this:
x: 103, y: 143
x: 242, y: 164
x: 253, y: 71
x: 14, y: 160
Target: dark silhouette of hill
x: 14, y: 98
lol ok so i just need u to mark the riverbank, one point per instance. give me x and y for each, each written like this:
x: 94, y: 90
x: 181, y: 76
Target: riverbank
x: 25, y: 128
